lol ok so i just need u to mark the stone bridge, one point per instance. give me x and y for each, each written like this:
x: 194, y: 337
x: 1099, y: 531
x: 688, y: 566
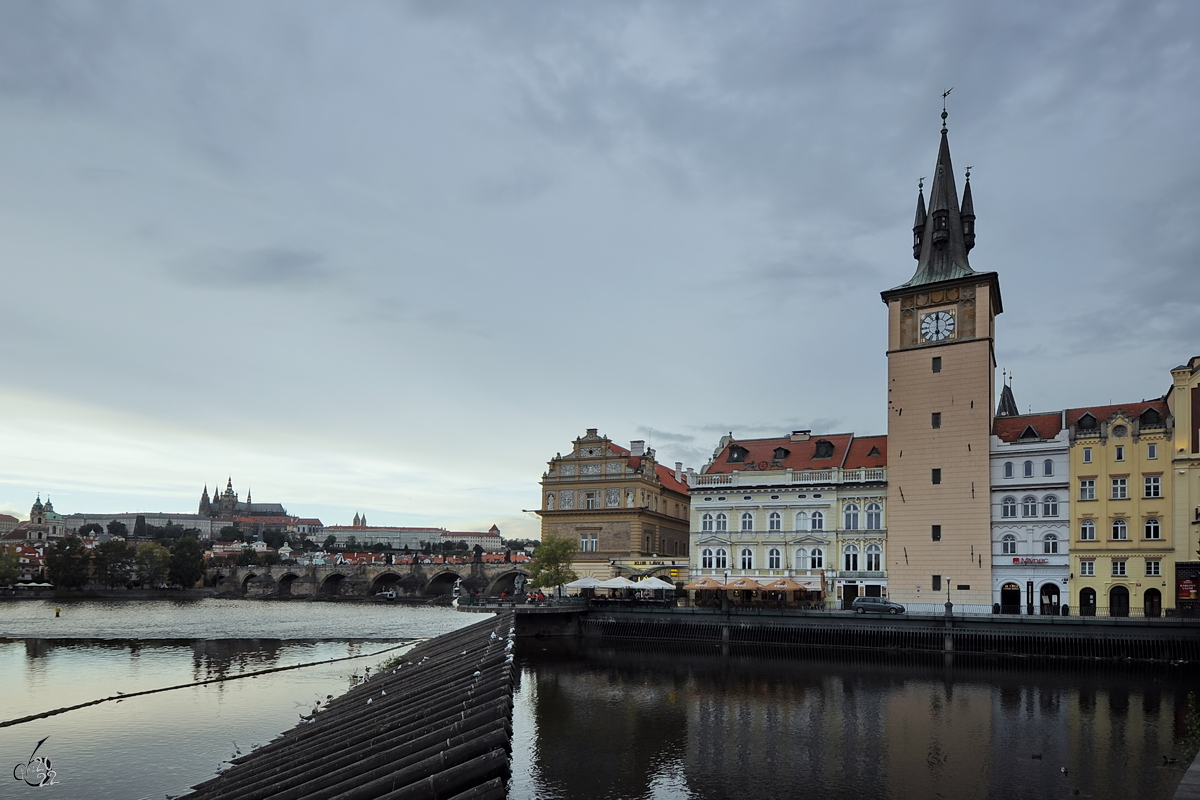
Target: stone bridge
x: 347, y: 580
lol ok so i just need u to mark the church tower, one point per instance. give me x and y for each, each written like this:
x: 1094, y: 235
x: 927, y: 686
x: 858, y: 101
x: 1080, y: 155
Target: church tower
x: 941, y: 375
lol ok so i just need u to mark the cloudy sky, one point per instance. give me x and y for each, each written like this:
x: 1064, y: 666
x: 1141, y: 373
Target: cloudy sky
x: 392, y: 256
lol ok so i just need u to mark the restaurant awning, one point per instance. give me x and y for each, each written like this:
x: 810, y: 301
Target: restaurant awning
x: 619, y: 582
x: 583, y: 583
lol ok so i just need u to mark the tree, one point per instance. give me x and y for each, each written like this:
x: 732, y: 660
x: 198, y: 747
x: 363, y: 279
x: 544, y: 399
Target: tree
x: 330, y: 541
x: 351, y: 542
x: 153, y: 563
x: 274, y: 539
x: 67, y: 563
x: 248, y: 558
x: 187, y: 562
x: 114, y: 561
x: 10, y: 566
x: 91, y: 527
x: 231, y: 533
x: 116, y: 528
x: 551, y: 565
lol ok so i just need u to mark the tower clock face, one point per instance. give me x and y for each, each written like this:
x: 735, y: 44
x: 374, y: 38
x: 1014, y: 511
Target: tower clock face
x: 937, y: 326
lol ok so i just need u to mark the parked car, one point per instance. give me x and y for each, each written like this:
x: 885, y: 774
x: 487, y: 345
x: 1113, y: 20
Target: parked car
x: 878, y: 605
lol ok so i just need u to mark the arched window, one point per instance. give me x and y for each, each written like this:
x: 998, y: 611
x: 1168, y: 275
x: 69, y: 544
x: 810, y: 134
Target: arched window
x: 801, y: 559
x: 774, y: 558
x: 1087, y: 531
x: 1153, y: 531
x: 818, y: 521
x: 706, y: 561
x: 747, y: 521
x: 1008, y: 545
x: 1028, y: 469
x: 722, y: 522
x: 706, y: 522
x: 1029, y: 506
x: 874, y: 517
x: 1050, y: 506
x: 722, y: 558
x: 874, y: 556
x: 850, y: 558
x: 818, y: 558
x: 1009, y: 507
x: 801, y: 521
x: 1008, y: 469
x: 1047, y: 468
x: 775, y: 521
x: 1050, y: 544
x: 1120, y: 530
x: 747, y: 558
x: 850, y: 516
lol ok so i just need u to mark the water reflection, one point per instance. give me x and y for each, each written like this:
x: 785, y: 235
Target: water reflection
x: 623, y: 722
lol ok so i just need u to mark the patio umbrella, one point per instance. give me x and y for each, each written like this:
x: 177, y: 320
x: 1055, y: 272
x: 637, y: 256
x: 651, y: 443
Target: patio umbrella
x: 783, y: 585
x: 653, y: 583
x: 743, y: 584
x: 619, y: 582
x: 583, y: 583
x: 703, y: 584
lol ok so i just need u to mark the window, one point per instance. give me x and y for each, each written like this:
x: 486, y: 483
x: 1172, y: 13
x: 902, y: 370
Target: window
x: 775, y: 521
x: 818, y: 521
x: 1120, y: 530
x: 824, y: 449
x: 588, y: 542
x: 1153, y: 486
x: 774, y: 558
x: 1087, y: 422
x: 850, y: 558
x: 1153, y: 569
x: 1087, y: 455
x: 1119, y: 455
x: 1008, y: 469
x: 874, y: 517
x: 801, y: 521
x: 937, y: 363
x: 1029, y: 506
x: 936, y: 583
x: 747, y: 558
x: 781, y: 453
x: 937, y: 476
x: 1050, y: 506
x: 1028, y: 469
x: 1087, y: 490
x: 1008, y: 545
x: 590, y: 499
x: 1153, y: 529
x: 850, y: 514
x: 874, y: 556
x: 1118, y: 569
x: 1009, y: 507
x: 706, y: 522
x: 801, y: 559
x: 722, y: 558
x: 706, y: 561
x: 1050, y: 544
x: 1087, y: 568
x: 936, y: 419
x: 1120, y: 488
x: 722, y: 522
x: 1087, y: 531
x: 747, y: 521
x: 1151, y: 451
x: 818, y: 558
x: 1047, y: 468
x: 935, y: 532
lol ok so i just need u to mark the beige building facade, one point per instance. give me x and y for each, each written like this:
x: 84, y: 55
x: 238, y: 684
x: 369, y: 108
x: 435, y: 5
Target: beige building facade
x: 1184, y: 402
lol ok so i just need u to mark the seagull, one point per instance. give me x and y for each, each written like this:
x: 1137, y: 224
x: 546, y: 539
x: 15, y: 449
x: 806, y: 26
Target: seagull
x: 369, y: 701
x: 1063, y: 770
x: 383, y: 692
x: 237, y: 749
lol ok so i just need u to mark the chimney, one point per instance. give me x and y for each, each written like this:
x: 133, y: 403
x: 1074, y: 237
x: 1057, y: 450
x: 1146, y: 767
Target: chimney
x: 637, y: 447
x: 679, y: 471
x: 801, y: 436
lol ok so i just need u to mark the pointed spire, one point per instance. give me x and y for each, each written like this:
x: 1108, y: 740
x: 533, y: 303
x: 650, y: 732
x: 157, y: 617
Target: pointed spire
x: 919, y: 221
x: 968, y: 214
x: 1008, y: 404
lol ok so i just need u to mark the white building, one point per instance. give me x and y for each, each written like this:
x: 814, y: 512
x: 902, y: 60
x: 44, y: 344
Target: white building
x: 208, y: 527
x: 489, y: 540
x: 1030, y: 475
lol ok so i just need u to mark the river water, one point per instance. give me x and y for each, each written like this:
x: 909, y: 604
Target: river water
x: 590, y: 721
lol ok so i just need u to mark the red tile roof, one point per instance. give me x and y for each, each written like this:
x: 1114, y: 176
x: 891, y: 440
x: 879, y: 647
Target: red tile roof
x: 861, y: 449
x: 1010, y: 429
x: 1105, y: 413
x: 801, y: 455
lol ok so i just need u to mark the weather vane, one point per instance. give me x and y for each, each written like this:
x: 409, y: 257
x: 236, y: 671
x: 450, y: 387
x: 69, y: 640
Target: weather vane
x: 945, y: 94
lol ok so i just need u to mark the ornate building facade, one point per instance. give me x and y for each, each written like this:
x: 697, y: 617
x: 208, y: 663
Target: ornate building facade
x: 227, y: 505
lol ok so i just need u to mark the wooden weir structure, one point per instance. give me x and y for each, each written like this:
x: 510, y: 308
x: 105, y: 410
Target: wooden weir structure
x: 437, y: 726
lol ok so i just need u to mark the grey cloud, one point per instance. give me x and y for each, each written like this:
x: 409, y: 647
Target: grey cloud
x: 230, y: 270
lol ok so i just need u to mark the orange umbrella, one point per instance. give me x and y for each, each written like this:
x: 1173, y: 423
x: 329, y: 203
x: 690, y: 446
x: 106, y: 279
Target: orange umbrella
x: 783, y: 585
x: 744, y: 584
x: 704, y: 583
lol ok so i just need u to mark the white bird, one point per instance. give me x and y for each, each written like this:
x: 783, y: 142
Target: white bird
x: 383, y: 692
x: 369, y: 701
x: 1063, y: 770
x: 475, y: 674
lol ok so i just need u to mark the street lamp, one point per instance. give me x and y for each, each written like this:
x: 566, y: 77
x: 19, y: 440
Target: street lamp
x: 949, y: 605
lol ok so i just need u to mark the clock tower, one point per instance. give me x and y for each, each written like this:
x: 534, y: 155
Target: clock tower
x: 941, y: 376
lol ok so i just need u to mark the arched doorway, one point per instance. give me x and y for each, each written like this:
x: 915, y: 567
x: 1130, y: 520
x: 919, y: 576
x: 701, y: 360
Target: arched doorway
x: 1118, y: 602
x: 1087, y: 602
x: 1048, y: 597
x: 1152, y: 603
x: 1010, y: 599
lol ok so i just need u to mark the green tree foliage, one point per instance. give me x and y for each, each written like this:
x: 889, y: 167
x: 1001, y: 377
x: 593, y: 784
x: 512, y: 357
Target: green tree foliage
x: 68, y: 562
x: 231, y: 533
x: 10, y: 566
x: 330, y: 541
x: 274, y: 539
x: 351, y: 542
x: 116, y: 528
x: 153, y: 563
x: 551, y: 565
x: 114, y: 562
x: 91, y: 527
x: 248, y: 558
x: 187, y: 562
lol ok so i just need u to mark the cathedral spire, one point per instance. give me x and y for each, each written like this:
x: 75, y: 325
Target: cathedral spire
x: 919, y: 222
x: 968, y: 214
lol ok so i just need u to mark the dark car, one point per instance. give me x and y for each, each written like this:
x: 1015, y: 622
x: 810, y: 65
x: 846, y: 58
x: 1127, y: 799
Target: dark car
x: 878, y: 605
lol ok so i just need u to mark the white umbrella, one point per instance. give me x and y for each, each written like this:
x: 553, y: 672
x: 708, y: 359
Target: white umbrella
x: 653, y: 583
x: 583, y: 583
x: 619, y: 582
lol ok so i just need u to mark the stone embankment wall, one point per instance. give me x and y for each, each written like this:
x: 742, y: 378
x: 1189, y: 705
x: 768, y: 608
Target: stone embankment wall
x: 438, y: 725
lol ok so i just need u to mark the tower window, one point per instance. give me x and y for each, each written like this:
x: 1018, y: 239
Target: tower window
x: 935, y: 531
x: 936, y: 419
x: 936, y: 583
x: 937, y: 475
x: 937, y: 363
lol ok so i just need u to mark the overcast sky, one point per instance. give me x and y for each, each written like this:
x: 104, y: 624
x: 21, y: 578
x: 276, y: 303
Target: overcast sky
x: 391, y: 257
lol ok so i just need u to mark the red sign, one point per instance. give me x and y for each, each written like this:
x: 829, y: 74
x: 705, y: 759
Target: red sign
x: 1185, y: 589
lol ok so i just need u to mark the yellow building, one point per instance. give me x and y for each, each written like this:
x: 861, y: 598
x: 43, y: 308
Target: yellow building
x: 1184, y: 402
x: 627, y: 513
x: 1123, y: 544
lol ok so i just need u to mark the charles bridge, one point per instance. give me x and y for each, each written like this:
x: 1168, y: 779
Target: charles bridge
x: 349, y: 580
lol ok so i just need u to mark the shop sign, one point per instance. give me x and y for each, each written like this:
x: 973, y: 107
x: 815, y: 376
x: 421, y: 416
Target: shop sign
x: 1026, y: 561
x: 1186, y: 589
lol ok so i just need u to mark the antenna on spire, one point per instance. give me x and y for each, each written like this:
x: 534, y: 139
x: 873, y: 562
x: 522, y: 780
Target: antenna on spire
x: 921, y: 183
x: 945, y: 94
x: 969, y: 168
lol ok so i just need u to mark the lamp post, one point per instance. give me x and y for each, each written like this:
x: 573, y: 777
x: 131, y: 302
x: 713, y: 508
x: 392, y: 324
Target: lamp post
x: 725, y: 593
x: 949, y: 605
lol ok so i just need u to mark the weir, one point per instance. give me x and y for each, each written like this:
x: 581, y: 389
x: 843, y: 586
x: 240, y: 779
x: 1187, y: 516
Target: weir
x: 439, y: 724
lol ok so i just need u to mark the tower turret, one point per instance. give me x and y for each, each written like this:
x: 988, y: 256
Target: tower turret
x: 919, y: 222
x: 968, y: 214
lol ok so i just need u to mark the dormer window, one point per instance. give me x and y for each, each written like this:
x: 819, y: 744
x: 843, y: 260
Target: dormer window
x: 1029, y: 433
x: 824, y: 449
x: 1087, y: 422
x: 1151, y: 417
x: 874, y: 452
x: 781, y: 453
x: 737, y: 454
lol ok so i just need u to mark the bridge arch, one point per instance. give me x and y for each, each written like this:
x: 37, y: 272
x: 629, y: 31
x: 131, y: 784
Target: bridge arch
x: 442, y: 583
x: 505, y: 582
x: 246, y: 581
x: 386, y: 582
x: 284, y: 585
x: 332, y: 585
